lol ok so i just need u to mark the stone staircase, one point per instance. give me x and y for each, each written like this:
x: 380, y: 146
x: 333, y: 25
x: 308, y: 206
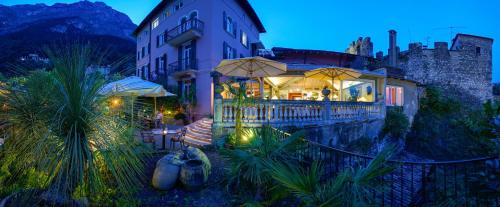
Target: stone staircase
x: 199, y: 133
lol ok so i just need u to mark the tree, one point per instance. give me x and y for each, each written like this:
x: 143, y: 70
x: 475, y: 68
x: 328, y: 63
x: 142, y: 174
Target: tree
x: 60, y: 129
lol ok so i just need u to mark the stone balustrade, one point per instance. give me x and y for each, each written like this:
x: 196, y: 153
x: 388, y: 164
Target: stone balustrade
x: 297, y: 112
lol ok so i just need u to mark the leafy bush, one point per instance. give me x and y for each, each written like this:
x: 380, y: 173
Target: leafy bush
x: 181, y: 116
x: 396, y: 124
x: 348, y: 188
x: 62, y: 135
x: 361, y: 145
x: 444, y: 129
x: 247, y: 167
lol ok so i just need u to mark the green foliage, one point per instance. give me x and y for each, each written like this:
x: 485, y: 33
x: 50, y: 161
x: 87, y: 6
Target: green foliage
x: 247, y: 162
x: 396, y: 124
x: 183, y: 117
x: 349, y: 188
x: 62, y: 135
x: 496, y: 89
x: 240, y: 99
x: 444, y: 129
x: 361, y: 145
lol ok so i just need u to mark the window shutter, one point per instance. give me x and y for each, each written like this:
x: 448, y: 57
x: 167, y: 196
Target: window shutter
x: 234, y: 53
x: 165, y: 64
x: 157, y: 65
x: 157, y: 40
x: 193, y: 53
x: 224, y: 51
x: 235, y: 28
x: 179, y: 58
x: 224, y: 21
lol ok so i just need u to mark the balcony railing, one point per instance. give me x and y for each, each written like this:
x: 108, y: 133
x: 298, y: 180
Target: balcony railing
x: 296, y: 113
x: 183, y: 65
x: 191, y: 29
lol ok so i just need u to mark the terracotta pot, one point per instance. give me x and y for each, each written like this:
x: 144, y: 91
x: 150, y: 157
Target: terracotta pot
x: 167, y: 172
x: 192, y: 176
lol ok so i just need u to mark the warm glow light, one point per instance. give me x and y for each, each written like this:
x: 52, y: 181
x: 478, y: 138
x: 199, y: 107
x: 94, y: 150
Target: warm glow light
x: 115, y: 102
x: 165, y: 131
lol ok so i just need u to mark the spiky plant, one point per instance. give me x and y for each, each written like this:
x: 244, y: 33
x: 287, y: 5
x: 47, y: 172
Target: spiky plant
x: 247, y: 162
x: 60, y: 129
x: 240, y: 99
x: 349, y: 188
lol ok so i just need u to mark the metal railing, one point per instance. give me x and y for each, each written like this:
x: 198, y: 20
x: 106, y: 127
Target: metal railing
x: 414, y: 183
x: 183, y: 65
x: 192, y: 24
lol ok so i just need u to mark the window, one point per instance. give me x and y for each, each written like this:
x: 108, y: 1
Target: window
x: 155, y: 23
x: 359, y: 90
x: 394, y: 96
x: 143, y: 52
x: 160, y: 40
x: 244, y: 39
x: 178, y: 5
x: 478, y: 51
x: 149, y: 48
x: 138, y: 55
x: 229, y: 24
x: 229, y: 52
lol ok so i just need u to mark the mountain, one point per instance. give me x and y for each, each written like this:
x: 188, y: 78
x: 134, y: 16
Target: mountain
x: 28, y: 29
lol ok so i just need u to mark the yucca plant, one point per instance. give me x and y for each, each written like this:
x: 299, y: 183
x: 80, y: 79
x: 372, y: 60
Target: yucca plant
x: 247, y: 162
x: 349, y: 188
x: 60, y: 129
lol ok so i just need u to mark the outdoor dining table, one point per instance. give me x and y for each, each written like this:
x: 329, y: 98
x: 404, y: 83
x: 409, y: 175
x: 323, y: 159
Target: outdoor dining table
x: 164, y: 136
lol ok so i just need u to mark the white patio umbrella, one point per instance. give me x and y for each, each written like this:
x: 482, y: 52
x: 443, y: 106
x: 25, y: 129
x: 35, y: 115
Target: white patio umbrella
x: 134, y: 86
x: 251, y: 67
x: 332, y: 73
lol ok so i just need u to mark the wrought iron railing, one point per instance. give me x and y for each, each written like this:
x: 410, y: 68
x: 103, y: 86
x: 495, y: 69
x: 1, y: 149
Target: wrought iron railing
x: 183, y: 65
x: 192, y: 24
x: 415, y: 183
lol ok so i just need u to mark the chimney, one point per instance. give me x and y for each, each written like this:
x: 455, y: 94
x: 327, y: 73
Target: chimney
x: 393, y: 50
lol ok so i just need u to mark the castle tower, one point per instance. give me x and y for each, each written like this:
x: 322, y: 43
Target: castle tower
x: 393, y: 51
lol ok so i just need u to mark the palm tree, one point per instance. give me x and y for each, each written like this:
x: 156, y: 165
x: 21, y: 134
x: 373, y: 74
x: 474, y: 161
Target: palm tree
x: 240, y: 99
x: 247, y: 162
x: 61, y: 130
x: 349, y: 188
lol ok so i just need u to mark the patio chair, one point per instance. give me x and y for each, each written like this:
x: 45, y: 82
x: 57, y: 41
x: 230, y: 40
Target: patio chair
x: 179, y: 137
x: 148, y: 138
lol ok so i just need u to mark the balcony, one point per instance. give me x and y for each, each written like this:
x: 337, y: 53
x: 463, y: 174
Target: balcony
x: 189, y: 30
x: 188, y: 65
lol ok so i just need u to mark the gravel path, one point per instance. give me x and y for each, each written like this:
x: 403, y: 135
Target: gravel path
x: 213, y: 194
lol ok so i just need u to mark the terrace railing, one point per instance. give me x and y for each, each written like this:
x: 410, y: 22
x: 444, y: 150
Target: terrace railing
x: 299, y: 113
x: 415, y: 183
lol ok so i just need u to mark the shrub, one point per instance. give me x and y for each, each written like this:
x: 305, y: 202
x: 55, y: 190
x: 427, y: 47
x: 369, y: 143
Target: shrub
x: 361, y: 145
x: 183, y: 117
x: 396, y: 124
x: 443, y: 129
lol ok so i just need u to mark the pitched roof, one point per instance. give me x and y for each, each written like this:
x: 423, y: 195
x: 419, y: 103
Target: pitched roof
x: 245, y: 5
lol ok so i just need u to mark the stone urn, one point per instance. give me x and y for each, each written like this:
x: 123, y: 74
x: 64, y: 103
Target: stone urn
x: 193, y: 153
x: 326, y: 92
x: 167, y: 171
x: 192, y: 175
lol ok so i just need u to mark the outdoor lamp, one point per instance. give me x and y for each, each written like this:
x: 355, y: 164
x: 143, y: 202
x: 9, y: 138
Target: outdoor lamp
x: 164, y: 136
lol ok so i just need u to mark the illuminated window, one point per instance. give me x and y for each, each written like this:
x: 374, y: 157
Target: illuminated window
x: 155, y: 23
x: 394, y: 96
x: 244, y: 39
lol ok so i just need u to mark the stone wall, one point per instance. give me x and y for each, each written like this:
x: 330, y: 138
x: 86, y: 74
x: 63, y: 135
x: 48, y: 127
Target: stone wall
x: 464, y: 71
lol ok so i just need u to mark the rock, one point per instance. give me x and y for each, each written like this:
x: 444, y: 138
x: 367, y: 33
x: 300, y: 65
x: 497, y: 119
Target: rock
x: 167, y: 171
x: 196, y: 154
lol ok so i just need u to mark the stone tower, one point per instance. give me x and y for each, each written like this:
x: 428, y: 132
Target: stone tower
x: 463, y: 71
x: 393, y: 49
